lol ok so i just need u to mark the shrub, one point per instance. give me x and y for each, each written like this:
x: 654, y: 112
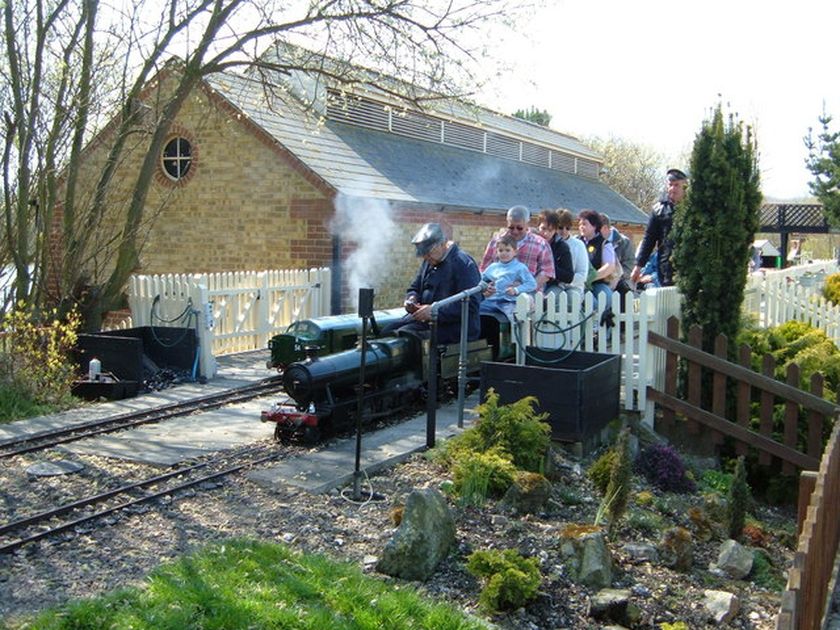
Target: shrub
x: 510, y: 580
x: 644, y: 498
x: 662, y: 466
x: 480, y: 474
x: 620, y: 477
x: 831, y: 290
x: 35, y: 365
x: 646, y: 522
x: 737, y: 501
x: 600, y: 470
x: 716, y: 481
x: 515, y: 428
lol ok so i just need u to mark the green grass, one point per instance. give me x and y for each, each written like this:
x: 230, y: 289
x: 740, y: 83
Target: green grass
x: 249, y: 584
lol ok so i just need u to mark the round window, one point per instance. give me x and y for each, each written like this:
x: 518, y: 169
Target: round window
x: 177, y: 156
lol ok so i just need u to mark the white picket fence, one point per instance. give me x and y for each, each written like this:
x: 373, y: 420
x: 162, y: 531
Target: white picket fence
x: 773, y: 297
x: 232, y: 312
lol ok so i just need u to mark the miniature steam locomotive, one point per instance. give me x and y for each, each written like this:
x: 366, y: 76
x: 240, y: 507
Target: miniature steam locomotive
x: 321, y: 364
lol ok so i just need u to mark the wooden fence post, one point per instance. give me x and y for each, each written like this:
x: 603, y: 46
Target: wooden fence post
x: 744, y: 394
x: 719, y: 386
x: 768, y: 366
x: 695, y: 376
x: 791, y: 417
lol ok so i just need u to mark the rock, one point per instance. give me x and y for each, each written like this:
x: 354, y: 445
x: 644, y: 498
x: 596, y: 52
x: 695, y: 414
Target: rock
x: 676, y: 549
x: 497, y: 520
x: 613, y: 605
x: 590, y: 562
x: 734, y: 559
x: 423, y: 538
x: 641, y: 552
x: 528, y: 493
x: 51, y: 469
x: 720, y: 605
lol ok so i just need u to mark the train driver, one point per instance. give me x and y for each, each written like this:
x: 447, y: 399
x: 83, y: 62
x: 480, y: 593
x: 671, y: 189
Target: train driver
x: 445, y: 271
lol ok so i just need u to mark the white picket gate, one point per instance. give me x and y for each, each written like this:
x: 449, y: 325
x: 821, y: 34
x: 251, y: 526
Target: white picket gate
x: 232, y: 312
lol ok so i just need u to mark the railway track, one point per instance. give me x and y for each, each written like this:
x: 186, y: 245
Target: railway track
x: 48, y: 439
x: 69, y: 516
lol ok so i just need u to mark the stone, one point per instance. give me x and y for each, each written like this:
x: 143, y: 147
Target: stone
x: 423, y: 539
x: 720, y: 606
x: 51, y: 469
x: 589, y: 559
x: 641, y: 552
x: 734, y: 559
x: 528, y: 493
x: 611, y: 604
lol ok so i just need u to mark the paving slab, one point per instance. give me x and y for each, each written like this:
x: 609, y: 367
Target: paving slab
x: 179, y: 439
x: 236, y: 370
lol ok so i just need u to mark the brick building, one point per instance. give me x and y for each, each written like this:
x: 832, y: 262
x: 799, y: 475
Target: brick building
x: 250, y: 180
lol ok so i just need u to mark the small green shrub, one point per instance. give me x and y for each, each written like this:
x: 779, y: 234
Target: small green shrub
x: 478, y: 475
x: 644, y: 521
x: 764, y: 574
x: 621, y: 477
x: 677, y: 625
x: 516, y: 428
x: 715, y: 481
x: 601, y: 469
x: 737, y: 501
x: 510, y: 580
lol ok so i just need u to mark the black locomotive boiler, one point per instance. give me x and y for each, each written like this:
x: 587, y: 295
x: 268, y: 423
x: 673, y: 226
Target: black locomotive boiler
x: 323, y: 389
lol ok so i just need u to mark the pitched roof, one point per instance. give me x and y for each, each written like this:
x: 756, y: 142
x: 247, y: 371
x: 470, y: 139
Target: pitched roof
x: 362, y: 162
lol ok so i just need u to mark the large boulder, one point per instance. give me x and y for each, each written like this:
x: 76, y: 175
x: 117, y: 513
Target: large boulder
x: 423, y: 539
x: 588, y: 557
x: 735, y: 560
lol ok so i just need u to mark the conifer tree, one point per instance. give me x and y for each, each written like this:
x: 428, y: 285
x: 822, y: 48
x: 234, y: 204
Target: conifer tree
x: 737, y: 501
x: 618, y: 490
x: 715, y: 226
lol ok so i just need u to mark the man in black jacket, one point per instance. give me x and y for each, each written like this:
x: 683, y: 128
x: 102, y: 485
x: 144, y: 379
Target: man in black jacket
x: 445, y: 271
x: 657, y: 233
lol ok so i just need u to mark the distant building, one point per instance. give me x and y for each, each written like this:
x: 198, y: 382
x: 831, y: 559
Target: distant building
x: 249, y: 180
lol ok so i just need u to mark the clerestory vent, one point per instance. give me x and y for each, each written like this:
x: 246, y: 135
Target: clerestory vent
x: 372, y: 114
x: 357, y: 111
x: 413, y: 125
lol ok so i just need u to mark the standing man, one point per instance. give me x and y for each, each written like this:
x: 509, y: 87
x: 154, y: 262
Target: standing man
x: 657, y: 233
x: 445, y: 271
x: 531, y: 249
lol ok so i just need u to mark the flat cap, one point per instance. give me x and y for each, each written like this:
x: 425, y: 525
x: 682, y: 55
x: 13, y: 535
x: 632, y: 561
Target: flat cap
x: 675, y: 175
x: 427, y: 237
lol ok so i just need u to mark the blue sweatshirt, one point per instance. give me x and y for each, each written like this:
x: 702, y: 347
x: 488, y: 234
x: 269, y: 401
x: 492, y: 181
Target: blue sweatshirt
x: 506, y: 274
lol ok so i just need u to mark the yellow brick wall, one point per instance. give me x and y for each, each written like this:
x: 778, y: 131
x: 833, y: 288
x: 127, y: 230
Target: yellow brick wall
x: 242, y: 206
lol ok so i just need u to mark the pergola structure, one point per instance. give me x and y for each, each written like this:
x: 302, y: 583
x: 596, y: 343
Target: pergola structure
x: 792, y: 218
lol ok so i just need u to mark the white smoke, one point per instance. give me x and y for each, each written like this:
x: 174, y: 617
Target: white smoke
x: 366, y: 224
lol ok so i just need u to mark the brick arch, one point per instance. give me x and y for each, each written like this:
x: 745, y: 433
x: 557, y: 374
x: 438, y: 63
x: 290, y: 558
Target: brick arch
x: 178, y: 130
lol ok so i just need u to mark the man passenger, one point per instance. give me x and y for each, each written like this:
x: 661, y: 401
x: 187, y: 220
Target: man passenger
x: 531, y: 248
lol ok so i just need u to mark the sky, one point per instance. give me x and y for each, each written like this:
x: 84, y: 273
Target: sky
x: 651, y: 71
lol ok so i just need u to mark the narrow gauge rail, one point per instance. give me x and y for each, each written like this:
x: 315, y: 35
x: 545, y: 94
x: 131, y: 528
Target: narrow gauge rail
x: 48, y: 439
x: 254, y: 455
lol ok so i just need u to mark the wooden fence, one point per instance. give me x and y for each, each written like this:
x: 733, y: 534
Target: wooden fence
x: 806, y: 598
x: 747, y: 386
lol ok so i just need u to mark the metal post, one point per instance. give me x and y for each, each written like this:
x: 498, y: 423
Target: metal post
x: 431, y: 401
x: 462, y: 361
x: 431, y: 405
x: 360, y: 405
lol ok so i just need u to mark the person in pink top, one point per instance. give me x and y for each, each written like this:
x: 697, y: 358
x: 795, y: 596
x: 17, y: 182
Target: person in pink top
x: 531, y: 249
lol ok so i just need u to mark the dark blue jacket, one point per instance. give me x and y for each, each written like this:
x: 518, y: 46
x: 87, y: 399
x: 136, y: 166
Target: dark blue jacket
x: 455, y: 273
x: 657, y: 236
